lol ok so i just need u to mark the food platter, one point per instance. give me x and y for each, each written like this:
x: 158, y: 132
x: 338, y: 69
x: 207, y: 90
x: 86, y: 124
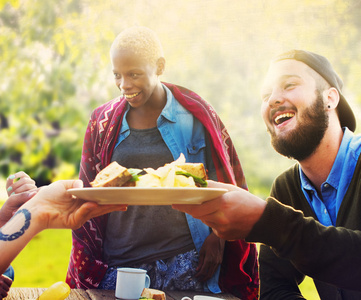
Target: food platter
x: 147, y: 196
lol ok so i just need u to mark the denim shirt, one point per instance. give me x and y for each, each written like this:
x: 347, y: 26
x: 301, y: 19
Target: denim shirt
x: 335, y: 187
x: 182, y: 133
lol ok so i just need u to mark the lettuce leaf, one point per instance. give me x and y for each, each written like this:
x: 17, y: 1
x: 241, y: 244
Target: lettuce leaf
x: 199, y: 181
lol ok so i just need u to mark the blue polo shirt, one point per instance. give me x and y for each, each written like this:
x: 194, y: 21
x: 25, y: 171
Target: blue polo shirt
x: 335, y: 187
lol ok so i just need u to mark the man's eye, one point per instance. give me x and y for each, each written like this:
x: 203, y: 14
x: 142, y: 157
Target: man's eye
x: 265, y: 97
x: 116, y: 76
x: 289, y: 85
x: 134, y: 75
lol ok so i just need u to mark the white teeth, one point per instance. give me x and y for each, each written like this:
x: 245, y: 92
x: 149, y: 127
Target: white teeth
x: 285, y: 115
x: 131, y: 96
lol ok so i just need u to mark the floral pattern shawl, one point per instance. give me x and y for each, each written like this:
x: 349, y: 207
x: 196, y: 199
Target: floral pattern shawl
x: 239, y: 271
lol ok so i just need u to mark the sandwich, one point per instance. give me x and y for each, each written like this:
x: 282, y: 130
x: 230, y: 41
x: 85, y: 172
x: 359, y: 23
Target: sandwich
x: 194, y: 170
x: 152, y: 294
x: 115, y: 175
x: 175, y: 174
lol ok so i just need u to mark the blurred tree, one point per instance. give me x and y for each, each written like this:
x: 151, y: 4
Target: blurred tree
x: 55, y: 68
x: 40, y: 117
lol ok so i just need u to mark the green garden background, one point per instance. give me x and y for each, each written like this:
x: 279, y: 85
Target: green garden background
x: 55, y: 69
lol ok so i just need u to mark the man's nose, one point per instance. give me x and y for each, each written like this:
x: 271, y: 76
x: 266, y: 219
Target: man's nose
x: 276, y: 98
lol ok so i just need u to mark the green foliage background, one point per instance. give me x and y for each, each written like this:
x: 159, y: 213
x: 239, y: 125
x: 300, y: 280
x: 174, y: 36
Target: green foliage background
x: 56, y: 70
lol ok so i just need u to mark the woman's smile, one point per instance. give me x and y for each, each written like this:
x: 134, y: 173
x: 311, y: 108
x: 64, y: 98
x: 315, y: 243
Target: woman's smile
x: 131, y: 96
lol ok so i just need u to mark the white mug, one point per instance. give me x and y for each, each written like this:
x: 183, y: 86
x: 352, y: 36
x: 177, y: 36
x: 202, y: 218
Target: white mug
x: 130, y: 283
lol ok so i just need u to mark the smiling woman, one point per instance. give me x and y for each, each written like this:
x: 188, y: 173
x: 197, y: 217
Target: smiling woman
x: 148, y: 126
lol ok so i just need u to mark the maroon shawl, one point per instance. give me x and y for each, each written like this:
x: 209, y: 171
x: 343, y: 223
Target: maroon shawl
x: 239, y: 271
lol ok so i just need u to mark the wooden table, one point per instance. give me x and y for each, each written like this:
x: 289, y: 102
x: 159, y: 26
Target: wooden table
x: 33, y: 293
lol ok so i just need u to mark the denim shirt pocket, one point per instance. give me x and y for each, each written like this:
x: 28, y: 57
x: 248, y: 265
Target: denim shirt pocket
x: 196, y: 151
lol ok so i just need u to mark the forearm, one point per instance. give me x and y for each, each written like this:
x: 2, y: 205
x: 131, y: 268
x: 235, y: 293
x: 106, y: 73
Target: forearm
x: 16, y: 233
x: 316, y: 250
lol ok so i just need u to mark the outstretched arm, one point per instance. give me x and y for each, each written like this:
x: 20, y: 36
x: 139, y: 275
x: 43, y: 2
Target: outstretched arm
x: 51, y: 207
x: 231, y: 216
x: 302, y: 240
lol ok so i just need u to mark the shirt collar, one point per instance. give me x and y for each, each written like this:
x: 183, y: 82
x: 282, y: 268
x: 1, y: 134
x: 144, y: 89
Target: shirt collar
x: 334, y: 177
x: 305, y: 183
x: 168, y: 110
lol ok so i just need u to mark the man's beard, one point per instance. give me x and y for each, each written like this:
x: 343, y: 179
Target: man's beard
x: 305, y: 138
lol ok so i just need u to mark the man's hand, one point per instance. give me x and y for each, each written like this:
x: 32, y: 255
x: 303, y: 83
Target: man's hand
x: 232, y: 216
x: 210, y: 257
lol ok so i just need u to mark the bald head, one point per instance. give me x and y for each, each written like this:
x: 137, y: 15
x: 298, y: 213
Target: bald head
x: 141, y: 41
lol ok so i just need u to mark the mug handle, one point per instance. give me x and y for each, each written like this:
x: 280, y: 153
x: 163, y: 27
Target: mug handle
x: 147, y: 281
x: 186, y: 298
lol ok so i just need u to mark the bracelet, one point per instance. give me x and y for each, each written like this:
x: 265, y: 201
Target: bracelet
x: 14, y: 236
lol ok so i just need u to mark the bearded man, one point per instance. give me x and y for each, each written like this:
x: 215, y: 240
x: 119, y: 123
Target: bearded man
x: 310, y: 120
x: 310, y: 224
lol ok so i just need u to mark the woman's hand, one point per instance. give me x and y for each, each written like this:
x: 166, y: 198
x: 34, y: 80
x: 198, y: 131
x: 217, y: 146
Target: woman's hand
x: 20, y: 188
x: 51, y: 207
x: 210, y: 257
x: 54, y: 207
x: 19, y: 182
x: 5, y: 284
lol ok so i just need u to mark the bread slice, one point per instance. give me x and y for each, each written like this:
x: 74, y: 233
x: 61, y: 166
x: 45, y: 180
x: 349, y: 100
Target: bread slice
x: 113, y: 175
x: 153, y: 294
x: 196, y: 169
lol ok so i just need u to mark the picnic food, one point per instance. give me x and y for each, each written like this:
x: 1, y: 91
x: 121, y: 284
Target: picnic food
x: 152, y: 294
x: 58, y: 291
x: 115, y: 175
x: 175, y: 174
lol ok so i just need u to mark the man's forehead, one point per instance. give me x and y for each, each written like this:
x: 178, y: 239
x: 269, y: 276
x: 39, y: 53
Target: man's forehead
x: 287, y: 66
x: 282, y: 69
